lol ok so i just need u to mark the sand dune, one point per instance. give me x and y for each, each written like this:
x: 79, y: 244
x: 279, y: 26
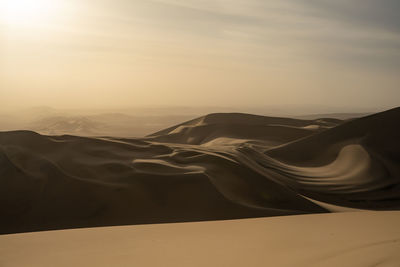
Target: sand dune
x: 94, y: 123
x: 340, y: 116
x: 269, y: 130
x: 68, y: 125
x: 369, y: 148
x: 220, y: 166
x: 63, y: 182
x: 355, y: 239
x: 104, y: 124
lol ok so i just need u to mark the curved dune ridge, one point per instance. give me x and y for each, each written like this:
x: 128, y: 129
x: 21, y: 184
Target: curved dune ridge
x: 221, y: 166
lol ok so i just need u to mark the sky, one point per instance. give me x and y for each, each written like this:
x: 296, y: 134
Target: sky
x: 113, y: 53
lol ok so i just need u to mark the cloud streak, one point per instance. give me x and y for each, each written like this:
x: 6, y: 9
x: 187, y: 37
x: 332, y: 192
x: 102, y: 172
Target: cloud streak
x: 304, y: 50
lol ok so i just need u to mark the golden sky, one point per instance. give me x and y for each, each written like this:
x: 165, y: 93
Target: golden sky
x: 110, y: 53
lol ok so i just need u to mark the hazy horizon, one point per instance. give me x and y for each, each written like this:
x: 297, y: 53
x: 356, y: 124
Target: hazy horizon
x: 341, y: 56
x: 167, y: 110
x: 144, y: 120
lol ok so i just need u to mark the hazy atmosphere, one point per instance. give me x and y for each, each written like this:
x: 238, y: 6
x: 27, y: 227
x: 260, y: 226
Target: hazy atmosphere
x: 185, y: 132
x: 107, y: 54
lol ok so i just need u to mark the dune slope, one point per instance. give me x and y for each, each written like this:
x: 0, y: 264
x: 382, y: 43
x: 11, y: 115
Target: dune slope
x: 356, y: 239
x: 221, y: 166
x: 355, y: 164
x: 67, y: 181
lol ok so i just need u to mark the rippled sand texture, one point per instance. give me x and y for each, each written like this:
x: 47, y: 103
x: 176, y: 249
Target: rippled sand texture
x: 221, y: 166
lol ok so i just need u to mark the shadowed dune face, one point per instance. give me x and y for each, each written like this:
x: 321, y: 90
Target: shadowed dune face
x: 370, y: 148
x: 221, y: 166
x: 64, y: 182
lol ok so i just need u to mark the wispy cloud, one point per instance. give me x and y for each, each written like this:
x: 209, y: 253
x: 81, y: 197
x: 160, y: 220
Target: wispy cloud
x: 304, y: 47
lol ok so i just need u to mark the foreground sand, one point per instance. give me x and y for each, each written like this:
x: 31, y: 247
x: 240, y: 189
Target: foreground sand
x: 338, y: 239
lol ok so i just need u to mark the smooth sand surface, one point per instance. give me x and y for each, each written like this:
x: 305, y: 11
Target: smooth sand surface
x: 356, y: 239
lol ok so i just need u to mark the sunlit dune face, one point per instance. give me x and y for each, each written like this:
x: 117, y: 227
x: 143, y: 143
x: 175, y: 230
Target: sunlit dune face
x: 28, y: 12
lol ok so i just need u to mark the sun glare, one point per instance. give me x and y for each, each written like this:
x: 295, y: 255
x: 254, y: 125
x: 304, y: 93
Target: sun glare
x: 28, y: 12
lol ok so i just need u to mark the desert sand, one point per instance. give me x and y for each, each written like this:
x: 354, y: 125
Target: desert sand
x: 194, y: 194
x: 216, y: 167
x: 356, y: 239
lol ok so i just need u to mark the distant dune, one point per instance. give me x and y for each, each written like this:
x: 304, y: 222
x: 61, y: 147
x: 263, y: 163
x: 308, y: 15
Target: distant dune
x: 268, y: 130
x: 220, y: 166
x: 48, y: 121
x: 340, y: 116
x: 104, y: 124
x: 68, y: 125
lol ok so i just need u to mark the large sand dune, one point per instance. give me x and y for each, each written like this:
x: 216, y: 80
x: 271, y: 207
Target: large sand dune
x: 221, y: 166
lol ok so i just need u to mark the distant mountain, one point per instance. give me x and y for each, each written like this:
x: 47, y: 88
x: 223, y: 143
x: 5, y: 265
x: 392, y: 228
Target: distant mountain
x: 68, y: 125
x: 107, y: 124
